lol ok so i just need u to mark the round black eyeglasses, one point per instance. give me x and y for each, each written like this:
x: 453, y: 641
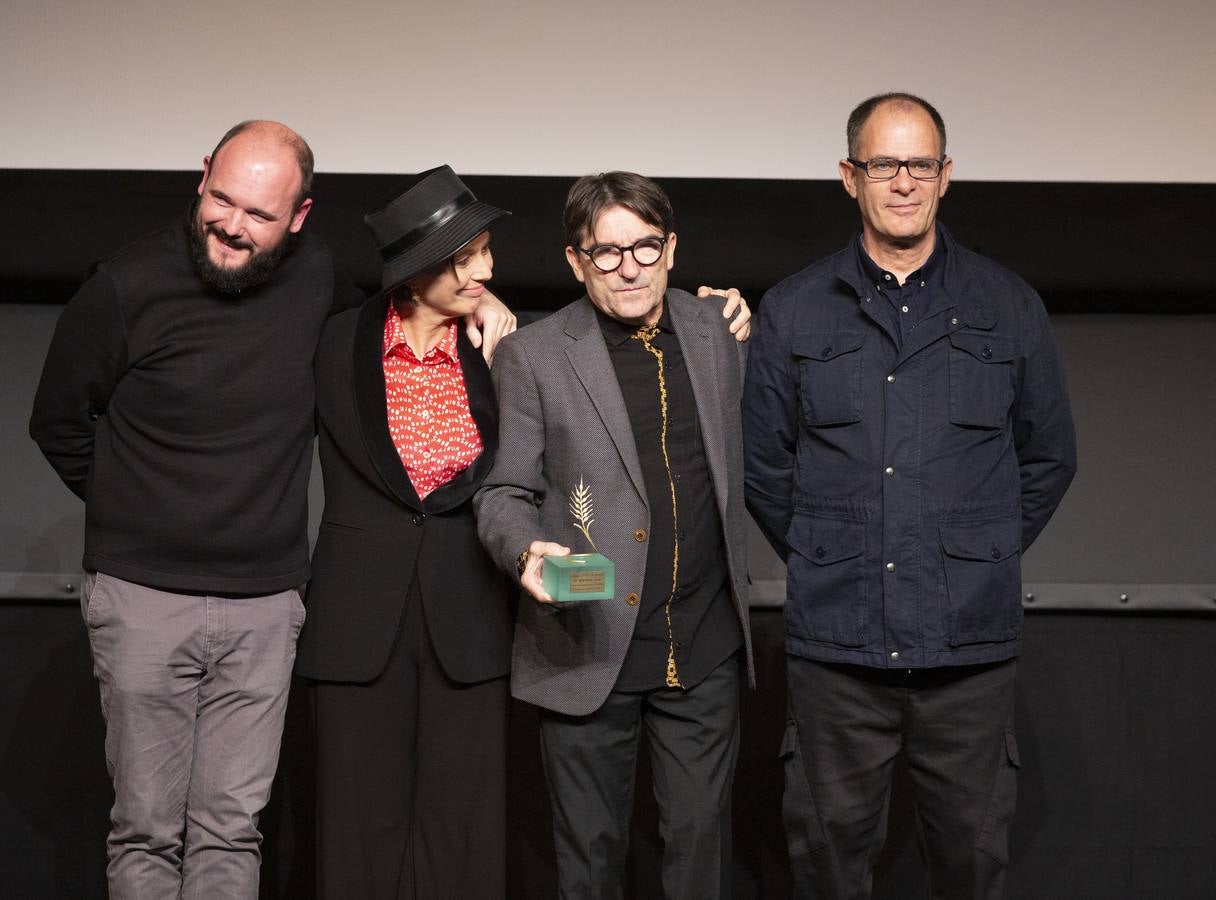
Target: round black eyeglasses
x: 608, y: 257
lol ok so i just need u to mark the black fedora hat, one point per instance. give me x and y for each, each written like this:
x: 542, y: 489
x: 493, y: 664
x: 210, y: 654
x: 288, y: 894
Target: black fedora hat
x: 430, y: 218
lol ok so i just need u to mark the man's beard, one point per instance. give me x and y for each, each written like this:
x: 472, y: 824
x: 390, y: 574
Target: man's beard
x: 257, y: 269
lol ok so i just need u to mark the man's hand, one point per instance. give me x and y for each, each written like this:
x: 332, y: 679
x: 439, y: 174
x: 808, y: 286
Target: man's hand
x: 735, y: 306
x: 531, y: 580
x: 489, y: 324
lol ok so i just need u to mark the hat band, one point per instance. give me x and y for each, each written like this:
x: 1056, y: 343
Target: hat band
x: 437, y: 219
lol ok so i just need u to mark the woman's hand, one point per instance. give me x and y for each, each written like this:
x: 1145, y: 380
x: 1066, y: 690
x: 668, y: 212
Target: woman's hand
x: 489, y: 324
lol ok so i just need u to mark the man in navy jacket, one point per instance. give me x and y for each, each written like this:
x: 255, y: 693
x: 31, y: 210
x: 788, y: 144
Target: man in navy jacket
x: 907, y: 435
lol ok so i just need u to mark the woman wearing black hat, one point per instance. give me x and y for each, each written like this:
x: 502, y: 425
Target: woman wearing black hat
x: 408, y: 636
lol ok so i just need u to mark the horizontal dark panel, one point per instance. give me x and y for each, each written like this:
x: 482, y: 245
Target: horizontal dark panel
x: 1086, y: 247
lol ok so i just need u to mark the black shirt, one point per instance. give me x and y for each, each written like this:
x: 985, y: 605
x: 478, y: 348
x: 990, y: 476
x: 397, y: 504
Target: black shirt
x: 705, y: 629
x: 906, y: 303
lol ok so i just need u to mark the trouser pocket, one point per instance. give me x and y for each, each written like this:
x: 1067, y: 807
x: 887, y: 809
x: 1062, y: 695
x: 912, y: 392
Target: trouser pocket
x: 803, y: 828
x: 994, y: 836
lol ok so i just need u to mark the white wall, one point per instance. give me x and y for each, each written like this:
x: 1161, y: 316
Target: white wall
x: 1089, y: 90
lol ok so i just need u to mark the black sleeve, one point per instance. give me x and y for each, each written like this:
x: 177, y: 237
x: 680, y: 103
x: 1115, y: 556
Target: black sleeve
x: 346, y: 293
x: 1043, y: 430
x: 87, y: 356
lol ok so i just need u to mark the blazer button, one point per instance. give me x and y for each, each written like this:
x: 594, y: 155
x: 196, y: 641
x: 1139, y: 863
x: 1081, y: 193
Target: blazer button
x: 417, y: 518
x: 633, y: 600
x: 640, y: 535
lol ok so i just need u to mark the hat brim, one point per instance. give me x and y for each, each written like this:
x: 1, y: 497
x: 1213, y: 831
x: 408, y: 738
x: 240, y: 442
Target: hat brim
x: 439, y: 245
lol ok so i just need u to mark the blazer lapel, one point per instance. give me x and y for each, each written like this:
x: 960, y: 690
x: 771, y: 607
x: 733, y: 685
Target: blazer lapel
x: 589, y: 359
x: 692, y: 322
x: 371, y: 407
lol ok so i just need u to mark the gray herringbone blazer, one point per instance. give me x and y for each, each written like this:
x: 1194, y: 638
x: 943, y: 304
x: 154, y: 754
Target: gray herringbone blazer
x: 562, y: 418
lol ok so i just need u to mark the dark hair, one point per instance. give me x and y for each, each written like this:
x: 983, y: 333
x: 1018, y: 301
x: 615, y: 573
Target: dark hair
x: 859, y: 116
x: 402, y: 295
x: 592, y: 194
x: 297, y: 144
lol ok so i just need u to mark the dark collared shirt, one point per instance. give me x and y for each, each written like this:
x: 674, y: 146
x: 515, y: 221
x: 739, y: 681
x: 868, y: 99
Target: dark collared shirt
x: 906, y: 303
x: 704, y: 625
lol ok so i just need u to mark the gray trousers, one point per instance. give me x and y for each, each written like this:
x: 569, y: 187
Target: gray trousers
x: 193, y: 691
x: 590, y: 768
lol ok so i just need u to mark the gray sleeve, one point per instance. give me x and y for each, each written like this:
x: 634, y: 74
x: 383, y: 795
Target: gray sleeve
x: 507, y: 505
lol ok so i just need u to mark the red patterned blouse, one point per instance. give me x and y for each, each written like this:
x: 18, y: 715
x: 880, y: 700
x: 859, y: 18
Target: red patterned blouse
x: 428, y: 408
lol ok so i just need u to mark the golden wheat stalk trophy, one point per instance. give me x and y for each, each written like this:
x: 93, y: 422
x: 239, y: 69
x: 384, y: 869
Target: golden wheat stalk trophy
x: 580, y: 576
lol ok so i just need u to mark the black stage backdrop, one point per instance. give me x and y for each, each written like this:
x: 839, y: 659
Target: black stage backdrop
x: 1102, y: 248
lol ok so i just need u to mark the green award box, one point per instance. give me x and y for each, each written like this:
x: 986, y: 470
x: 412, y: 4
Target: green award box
x: 579, y: 577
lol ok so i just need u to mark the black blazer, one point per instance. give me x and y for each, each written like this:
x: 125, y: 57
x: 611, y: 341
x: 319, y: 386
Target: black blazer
x: 378, y: 540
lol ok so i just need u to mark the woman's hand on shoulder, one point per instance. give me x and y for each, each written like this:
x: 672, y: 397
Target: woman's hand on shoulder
x: 489, y: 324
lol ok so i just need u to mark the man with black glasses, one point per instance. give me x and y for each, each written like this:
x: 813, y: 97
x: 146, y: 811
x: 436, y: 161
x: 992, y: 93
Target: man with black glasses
x: 620, y: 432
x: 907, y: 435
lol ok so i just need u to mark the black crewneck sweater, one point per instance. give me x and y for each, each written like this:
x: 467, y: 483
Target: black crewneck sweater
x: 184, y: 417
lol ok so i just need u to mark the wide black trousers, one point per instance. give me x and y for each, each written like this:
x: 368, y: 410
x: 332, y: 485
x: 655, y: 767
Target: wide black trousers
x: 847, y: 725
x: 411, y: 780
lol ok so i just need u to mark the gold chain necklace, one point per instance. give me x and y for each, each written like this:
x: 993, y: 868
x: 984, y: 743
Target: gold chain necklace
x: 646, y: 334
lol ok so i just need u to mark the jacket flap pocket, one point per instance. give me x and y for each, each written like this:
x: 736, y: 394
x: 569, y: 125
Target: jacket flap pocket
x: 826, y: 345
x: 987, y: 348
x: 832, y: 541
x: 987, y: 541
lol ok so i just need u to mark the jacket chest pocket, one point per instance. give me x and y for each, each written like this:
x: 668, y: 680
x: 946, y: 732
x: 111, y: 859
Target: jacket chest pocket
x: 981, y: 379
x: 829, y: 376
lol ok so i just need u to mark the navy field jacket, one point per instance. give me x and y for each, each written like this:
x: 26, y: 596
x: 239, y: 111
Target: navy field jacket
x: 901, y: 484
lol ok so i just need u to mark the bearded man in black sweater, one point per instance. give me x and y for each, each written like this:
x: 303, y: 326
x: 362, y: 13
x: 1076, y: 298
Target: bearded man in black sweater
x: 177, y: 402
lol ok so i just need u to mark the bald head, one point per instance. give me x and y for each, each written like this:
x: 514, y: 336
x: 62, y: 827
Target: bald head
x: 900, y: 102
x: 253, y: 199
x: 271, y: 134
